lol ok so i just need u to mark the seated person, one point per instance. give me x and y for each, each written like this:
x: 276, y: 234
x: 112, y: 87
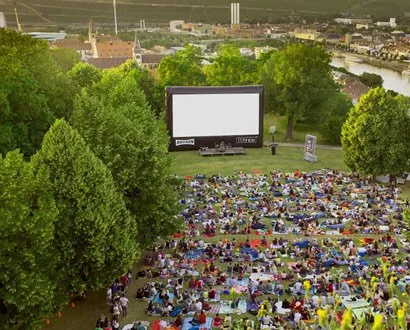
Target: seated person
x: 227, y: 324
x: 202, y: 317
x: 195, y: 319
x: 217, y: 321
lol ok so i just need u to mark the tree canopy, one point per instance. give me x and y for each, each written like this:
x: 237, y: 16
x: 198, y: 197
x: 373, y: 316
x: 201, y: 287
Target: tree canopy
x: 376, y: 134
x: 94, y: 235
x: 230, y: 68
x: 298, y: 83
x: 182, y: 69
x: 33, y: 92
x: 27, y: 259
x: 119, y: 127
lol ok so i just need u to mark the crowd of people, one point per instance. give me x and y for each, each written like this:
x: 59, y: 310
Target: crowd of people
x: 279, y: 251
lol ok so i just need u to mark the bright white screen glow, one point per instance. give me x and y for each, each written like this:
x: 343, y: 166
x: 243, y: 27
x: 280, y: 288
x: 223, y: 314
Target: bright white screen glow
x: 215, y: 114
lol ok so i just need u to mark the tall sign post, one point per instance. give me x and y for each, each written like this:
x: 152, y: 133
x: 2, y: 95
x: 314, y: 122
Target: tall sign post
x: 310, y: 145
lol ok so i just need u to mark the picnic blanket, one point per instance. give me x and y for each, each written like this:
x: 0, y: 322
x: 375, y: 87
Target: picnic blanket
x: 262, y: 277
x: 187, y: 325
x: 214, y: 308
x: 232, y: 282
x: 281, y: 310
x: 158, y: 300
x: 257, y: 242
x: 358, y: 303
x: 254, y: 253
x: 227, y: 309
x: 194, y: 254
x: 130, y: 325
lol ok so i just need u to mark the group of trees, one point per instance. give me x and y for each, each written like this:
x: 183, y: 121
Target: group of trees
x: 85, y: 176
x: 297, y: 79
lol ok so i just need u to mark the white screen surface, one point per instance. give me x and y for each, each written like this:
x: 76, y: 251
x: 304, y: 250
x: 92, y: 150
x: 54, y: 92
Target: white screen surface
x: 215, y: 114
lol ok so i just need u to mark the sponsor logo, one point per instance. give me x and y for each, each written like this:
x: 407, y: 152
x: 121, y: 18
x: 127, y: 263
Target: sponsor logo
x: 246, y: 140
x: 188, y: 142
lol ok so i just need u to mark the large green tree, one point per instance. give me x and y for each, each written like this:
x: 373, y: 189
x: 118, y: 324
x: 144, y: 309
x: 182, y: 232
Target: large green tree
x: 376, y: 134
x: 183, y: 68
x: 94, y: 234
x: 230, y: 68
x: 33, y: 91
x: 27, y: 261
x: 298, y: 82
x: 119, y: 127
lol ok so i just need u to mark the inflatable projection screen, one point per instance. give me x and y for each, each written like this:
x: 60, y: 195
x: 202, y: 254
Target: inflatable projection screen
x: 204, y: 116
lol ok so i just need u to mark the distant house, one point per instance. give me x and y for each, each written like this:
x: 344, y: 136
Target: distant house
x: 113, y: 49
x: 353, y: 87
x: 83, y: 49
x: 107, y: 63
x: 149, y: 61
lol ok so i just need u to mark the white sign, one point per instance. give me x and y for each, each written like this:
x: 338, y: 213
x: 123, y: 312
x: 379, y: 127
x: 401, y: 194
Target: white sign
x: 187, y: 142
x: 310, y: 145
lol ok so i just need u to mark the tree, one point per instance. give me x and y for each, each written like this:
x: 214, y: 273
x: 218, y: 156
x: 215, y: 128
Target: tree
x: 298, y: 81
x: 182, y: 69
x: 371, y: 80
x: 84, y: 75
x: 33, y: 92
x: 27, y: 261
x: 376, y: 134
x: 117, y: 124
x: 338, y: 107
x: 153, y: 90
x: 94, y: 233
x: 230, y: 68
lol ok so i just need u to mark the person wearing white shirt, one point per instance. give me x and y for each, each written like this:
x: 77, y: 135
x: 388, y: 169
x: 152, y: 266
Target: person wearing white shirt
x: 297, y: 317
x: 198, y: 306
x: 124, y: 305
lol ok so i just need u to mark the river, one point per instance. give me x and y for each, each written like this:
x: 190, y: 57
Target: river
x: 392, y: 80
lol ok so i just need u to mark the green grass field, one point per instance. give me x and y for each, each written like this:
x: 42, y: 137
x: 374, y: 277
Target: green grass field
x: 287, y: 159
x: 64, y: 12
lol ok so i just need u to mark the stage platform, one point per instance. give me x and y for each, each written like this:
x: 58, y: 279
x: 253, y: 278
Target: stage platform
x: 227, y: 152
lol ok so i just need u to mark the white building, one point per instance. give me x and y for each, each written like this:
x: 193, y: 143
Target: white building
x: 3, y: 23
x: 235, y: 14
x: 392, y: 23
x: 346, y: 21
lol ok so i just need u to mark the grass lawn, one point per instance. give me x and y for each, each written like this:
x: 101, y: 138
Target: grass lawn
x: 84, y: 314
x: 281, y: 122
x: 287, y: 159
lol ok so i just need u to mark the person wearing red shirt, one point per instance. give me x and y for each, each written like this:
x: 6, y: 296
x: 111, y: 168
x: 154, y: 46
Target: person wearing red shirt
x: 202, y: 317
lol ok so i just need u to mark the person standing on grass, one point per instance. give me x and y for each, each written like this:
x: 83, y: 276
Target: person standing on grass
x: 115, y: 323
x: 124, y: 305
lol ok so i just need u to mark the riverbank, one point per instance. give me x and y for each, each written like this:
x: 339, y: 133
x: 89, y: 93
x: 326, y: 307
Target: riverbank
x: 395, y: 66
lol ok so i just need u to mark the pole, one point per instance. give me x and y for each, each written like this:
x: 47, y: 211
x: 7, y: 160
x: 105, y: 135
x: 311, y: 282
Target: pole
x: 115, y: 17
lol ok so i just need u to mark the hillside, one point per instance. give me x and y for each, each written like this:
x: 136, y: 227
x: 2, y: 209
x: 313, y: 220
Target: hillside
x: 63, y: 12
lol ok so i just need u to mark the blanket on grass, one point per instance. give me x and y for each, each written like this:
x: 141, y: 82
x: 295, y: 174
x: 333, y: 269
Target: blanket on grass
x: 188, y: 326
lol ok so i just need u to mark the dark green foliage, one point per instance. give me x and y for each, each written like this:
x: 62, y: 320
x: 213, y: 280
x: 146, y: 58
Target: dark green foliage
x: 27, y: 257
x: 33, y: 92
x: 65, y: 58
x: 153, y: 90
x: 182, y: 69
x: 298, y: 83
x: 119, y: 127
x: 94, y: 233
x: 371, y: 80
x: 230, y: 68
x: 376, y: 134
x: 84, y: 75
x: 338, y: 108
